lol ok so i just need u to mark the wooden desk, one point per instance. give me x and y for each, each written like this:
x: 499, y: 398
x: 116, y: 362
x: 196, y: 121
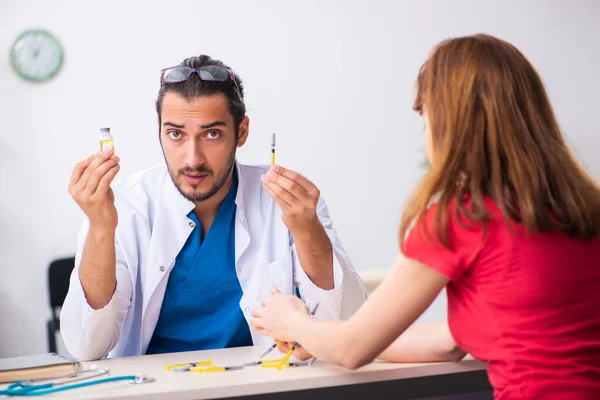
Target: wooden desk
x: 375, y: 381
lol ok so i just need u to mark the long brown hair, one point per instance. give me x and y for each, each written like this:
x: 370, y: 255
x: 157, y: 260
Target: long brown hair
x: 495, y: 135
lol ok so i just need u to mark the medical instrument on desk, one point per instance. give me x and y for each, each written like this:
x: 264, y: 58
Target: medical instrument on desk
x: 279, y: 364
x: 29, y: 388
x: 201, y: 366
x: 213, y: 368
x: 298, y: 364
x: 261, y: 362
x: 186, y: 366
x: 290, y: 351
x: 270, y: 349
x: 287, y: 356
x: 283, y: 361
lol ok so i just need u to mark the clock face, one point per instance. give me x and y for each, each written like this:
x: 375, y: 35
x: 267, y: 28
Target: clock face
x: 36, y: 55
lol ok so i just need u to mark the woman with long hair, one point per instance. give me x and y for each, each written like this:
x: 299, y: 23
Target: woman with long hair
x: 506, y: 219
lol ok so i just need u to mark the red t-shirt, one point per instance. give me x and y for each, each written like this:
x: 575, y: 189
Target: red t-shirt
x: 530, y: 305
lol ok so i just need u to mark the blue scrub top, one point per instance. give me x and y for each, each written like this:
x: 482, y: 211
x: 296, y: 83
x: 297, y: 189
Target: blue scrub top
x: 200, y: 310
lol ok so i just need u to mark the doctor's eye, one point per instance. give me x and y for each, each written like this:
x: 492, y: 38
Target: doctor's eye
x: 175, y: 135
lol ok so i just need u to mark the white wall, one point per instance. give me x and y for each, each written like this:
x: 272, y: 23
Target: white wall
x: 334, y: 79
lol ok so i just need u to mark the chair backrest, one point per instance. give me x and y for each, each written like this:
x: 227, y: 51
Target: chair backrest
x: 59, y: 273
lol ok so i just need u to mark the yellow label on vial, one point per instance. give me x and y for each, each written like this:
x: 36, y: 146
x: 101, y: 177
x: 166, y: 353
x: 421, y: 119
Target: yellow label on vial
x: 107, y: 143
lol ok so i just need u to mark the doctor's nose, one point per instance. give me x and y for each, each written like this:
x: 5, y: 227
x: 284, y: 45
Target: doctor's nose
x: 194, y: 155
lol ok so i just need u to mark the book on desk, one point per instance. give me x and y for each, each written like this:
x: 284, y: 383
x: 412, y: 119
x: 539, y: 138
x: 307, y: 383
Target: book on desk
x: 37, y: 366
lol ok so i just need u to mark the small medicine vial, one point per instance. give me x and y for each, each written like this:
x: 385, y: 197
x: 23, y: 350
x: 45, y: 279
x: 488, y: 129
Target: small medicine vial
x: 106, y: 140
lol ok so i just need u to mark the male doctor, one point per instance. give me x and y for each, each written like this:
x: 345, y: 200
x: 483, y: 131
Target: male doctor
x: 175, y: 257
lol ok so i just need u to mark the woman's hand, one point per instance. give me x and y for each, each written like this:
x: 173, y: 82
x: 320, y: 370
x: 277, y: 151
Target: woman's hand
x: 280, y: 317
x: 299, y: 353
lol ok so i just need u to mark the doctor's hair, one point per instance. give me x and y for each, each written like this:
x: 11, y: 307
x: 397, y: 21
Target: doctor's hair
x: 495, y: 136
x: 195, y: 87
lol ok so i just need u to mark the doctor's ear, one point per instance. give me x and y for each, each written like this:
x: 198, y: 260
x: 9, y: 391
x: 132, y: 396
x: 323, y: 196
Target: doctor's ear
x: 243, y: 130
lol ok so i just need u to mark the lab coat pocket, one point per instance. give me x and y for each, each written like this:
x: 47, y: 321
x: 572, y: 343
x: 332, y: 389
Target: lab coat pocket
x: 281, y: 274
x: 276, y: 273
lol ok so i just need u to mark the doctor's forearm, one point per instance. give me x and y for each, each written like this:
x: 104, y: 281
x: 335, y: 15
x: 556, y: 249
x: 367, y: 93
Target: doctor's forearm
x: 97, y: 271
x: 316, y: 256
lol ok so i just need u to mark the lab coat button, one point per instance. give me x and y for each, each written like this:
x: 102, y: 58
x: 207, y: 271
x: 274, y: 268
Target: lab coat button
x: 162, y: 268
x: 192, y: 224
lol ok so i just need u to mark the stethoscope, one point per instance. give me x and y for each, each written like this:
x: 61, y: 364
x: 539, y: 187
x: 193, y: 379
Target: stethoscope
x: 30, y: 388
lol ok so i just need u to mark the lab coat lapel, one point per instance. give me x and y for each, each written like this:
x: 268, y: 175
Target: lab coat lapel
x: 242, y: 233
x: 171, y: 229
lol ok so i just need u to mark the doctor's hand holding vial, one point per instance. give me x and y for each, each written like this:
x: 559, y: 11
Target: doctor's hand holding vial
x: 90, y: 188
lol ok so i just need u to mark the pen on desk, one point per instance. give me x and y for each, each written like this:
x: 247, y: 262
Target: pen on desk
x: 273, y: 150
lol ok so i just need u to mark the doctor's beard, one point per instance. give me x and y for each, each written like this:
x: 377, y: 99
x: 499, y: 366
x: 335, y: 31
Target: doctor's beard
x: 218, y: 180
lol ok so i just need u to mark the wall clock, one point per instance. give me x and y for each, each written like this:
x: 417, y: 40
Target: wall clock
x: 36, y: 55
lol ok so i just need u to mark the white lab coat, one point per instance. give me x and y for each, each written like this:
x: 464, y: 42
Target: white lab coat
x: 153, y: 227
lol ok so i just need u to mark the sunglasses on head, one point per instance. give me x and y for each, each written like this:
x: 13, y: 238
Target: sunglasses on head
x: 209, y: 73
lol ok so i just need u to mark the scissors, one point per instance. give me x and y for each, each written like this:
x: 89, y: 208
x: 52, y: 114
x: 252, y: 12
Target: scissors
x: 29, y: 388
